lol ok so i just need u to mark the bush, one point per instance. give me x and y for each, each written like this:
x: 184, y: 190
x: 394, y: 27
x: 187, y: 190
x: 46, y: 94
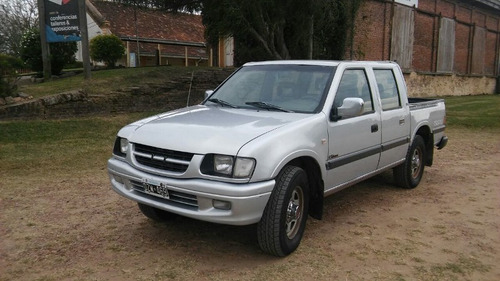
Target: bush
x: 61, y: 53
x: 76, y: 64
x: 8, y: 75
x: 106, y: 48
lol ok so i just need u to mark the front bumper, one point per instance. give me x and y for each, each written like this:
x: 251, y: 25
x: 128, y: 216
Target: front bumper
x: 194, y: 198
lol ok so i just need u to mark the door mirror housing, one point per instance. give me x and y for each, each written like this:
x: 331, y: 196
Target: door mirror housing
x: 208, y: 93
x: 351, y: 107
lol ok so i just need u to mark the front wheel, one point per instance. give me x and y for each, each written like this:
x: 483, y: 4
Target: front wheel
x: 409, y: 174
x: 284, y: 219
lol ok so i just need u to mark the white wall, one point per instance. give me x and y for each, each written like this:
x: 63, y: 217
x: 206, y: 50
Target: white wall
x: 93, y: 31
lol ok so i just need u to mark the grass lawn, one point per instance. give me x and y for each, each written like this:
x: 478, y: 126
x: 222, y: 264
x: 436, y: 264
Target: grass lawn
x: 474, y: 112
x: 58, y: 146
x: 105, y: 81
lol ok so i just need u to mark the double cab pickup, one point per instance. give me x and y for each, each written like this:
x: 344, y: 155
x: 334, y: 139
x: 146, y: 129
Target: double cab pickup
x: 267, y: 145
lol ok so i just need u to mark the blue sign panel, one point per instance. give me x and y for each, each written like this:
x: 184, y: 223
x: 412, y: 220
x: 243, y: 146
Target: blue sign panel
x: 62, y: 23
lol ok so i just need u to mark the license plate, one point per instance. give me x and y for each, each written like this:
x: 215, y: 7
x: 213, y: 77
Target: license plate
x: 156, y: 189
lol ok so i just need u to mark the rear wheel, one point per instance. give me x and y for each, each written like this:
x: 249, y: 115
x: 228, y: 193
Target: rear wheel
x: 409, y: 174
x: 283, y: 221
x: 154, y: 213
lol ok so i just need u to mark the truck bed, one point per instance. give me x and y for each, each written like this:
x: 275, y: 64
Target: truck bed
x: 419, y: 103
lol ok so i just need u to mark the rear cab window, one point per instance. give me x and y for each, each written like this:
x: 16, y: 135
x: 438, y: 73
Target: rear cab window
x: 388, y: 89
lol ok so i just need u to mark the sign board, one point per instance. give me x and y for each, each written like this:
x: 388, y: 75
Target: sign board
x: 62, y: 22
x: 410, y: 3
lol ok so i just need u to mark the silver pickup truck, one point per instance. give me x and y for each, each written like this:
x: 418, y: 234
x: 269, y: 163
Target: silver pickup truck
x: 272, y: 141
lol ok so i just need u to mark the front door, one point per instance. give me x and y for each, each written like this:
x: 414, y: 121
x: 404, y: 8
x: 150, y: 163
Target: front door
x: 354, y: 143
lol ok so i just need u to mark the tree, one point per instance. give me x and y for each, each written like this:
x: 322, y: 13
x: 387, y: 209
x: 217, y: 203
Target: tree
x: 292, y: 29
x: 272, y: 29
x: 16, y: 17
x: 106, y: 48
x: 61, y: 53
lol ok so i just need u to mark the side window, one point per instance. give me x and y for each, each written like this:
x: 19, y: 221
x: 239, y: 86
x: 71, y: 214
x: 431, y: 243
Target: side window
x: 354, y: 84
x: 388, y: 89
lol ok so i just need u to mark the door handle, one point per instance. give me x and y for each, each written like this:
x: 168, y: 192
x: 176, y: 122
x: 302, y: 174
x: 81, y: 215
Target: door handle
x: 374, y: 128
x: 402, y: 121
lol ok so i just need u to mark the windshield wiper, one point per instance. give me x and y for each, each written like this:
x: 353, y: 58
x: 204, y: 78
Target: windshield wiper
x: 222, y: 102
x: 268, y: 106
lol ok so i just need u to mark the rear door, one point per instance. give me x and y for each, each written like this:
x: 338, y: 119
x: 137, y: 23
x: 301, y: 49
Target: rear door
x: 395, y: 117
x: 354, y: 143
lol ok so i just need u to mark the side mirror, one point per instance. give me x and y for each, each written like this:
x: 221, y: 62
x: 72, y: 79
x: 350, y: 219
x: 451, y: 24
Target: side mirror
x: 351, y: 107
x: 208, y: 93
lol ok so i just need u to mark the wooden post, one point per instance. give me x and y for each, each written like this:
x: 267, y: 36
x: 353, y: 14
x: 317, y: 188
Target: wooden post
x: 47, y: 72
x: 211, y: 58
x: 159, y: 54
x: 82, y: 7
x: 128, y: 54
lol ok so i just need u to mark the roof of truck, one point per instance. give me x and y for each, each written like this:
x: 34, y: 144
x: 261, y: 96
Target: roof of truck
x: 318, y: 62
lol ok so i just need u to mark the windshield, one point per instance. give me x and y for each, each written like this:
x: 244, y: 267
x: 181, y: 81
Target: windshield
x: 287, y: 88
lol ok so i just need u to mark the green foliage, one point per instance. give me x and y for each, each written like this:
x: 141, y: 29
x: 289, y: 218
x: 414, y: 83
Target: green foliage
x: 106, y: 48
x: 61, y: 53
x: 8, y: 66
x: 266, y: 29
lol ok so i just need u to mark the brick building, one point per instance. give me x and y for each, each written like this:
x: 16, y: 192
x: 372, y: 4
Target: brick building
x: 445, y: 47
x: 151, y: 37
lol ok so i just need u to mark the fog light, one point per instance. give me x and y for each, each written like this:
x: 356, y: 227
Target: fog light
x: 118, y: 179
x: 221, y: 205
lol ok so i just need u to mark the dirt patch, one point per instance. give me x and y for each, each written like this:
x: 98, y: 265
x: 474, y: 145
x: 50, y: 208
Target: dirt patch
x: 56, y: 227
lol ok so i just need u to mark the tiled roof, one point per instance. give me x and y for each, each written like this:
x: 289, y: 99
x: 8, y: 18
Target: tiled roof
x: 151, y: 24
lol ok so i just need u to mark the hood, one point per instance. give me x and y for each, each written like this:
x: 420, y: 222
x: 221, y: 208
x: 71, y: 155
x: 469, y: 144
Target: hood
x: 208, y: 129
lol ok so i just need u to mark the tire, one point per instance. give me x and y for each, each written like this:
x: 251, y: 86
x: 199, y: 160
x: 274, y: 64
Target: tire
x: 282, y: 225
x: 154, y: 213
x: 409, y: 174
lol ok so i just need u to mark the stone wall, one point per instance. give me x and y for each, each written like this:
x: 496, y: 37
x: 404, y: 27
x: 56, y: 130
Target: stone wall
x: 434, y: 85
x: 166, y: 96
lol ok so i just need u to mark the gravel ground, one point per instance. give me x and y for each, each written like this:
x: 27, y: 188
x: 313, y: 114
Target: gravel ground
x: 74, y: 227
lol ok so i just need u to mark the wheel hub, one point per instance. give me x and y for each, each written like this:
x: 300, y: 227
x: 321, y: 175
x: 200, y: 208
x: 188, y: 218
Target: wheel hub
x: 416, y: 163
x: 294, y: 213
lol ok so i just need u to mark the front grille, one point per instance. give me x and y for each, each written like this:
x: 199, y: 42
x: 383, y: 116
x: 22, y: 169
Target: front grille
x: 184, y: 199
x: 163, y: 159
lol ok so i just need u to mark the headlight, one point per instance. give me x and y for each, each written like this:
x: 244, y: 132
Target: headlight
x: 121, y: 147
x: 124, y: 146
x: 227, y: 166
x: 223, y: 164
